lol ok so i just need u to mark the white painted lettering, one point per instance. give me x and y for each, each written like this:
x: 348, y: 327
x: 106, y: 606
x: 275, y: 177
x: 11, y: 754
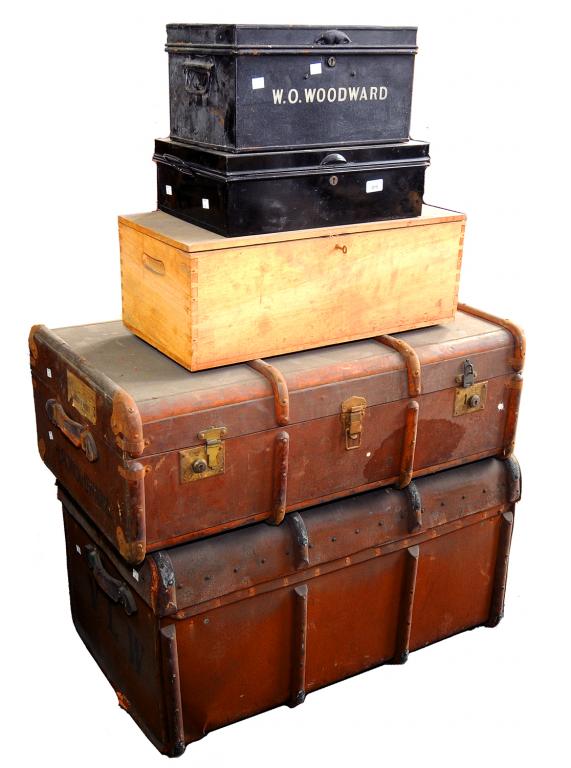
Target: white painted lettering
x: 320, y: 95
x: 293, y: 96
x: 278, y: 95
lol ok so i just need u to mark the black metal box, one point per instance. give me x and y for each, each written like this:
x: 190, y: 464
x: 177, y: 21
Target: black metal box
x: 263, y: 192
x: 246, y: 88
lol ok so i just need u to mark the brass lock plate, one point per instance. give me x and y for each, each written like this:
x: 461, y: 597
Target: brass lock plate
x: 204, y: 460
x: 352, y: 415
x: 470, y: 399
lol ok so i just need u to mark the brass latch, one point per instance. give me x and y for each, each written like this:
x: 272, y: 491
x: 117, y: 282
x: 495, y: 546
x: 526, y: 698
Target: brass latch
x: 352, y: 414
x: 204, y: 460
x: 470, y: 396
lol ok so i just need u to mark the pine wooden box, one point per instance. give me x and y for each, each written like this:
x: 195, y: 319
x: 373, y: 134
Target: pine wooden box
x: 207, y: 300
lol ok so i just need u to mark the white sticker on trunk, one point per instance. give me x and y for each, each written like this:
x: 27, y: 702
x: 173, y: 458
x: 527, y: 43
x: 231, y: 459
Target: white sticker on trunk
x: 374, y: 185
x: 135, y: 575
x: 50, y: 434
x: 205, y: 203
x: 257, y: 82
x: 168, y: 189
x: 49, y: 372
x: 315, y: 69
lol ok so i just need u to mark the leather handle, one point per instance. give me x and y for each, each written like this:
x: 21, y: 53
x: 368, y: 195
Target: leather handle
x: 115, y: 589
x: 76, y: 433
x: 333, y: 37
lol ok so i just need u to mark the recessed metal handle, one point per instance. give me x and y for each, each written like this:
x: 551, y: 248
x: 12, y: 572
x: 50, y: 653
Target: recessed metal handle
x: 333, y: 159
x: 115, y: 589
x: 333, y: 37
x: 76, y: 433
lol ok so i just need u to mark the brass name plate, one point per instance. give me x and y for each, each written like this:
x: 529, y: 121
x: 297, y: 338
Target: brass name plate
x: 82, y: 397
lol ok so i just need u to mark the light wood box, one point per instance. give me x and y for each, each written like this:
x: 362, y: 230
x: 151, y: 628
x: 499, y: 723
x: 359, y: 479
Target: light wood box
x: 207, y: 300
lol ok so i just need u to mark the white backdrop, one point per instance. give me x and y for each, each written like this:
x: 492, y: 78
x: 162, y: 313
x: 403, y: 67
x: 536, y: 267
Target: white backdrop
x: 84, y: 93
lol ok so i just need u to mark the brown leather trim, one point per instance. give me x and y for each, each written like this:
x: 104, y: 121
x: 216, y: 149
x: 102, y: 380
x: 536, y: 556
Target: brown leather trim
x: 174, y: 726
x: 409, y: 444
x: 279, y: 388
x: 281, y: 458
x: 126, y: 424
x: 407, y: 605
x: 131, y: 538
x: 411, y: 361
x: 32, y: 343
x: 517, y: 333
x: 512, y: 413
x: 501, y: 571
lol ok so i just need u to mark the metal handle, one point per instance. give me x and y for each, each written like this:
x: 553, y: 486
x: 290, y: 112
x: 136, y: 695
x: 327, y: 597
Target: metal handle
x: 333, y: 159
x: 76, y: 433
x: 197, y: 74
x: 333, y: 37
x: 116, y: 590
x: 173, y: 160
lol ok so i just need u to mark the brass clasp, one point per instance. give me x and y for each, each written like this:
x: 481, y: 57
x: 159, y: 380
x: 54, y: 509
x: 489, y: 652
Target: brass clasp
x: 204, y: 460
x: 352, y: 414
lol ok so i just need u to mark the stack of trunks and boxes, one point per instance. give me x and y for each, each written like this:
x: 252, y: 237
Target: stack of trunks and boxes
x: 292, y: 459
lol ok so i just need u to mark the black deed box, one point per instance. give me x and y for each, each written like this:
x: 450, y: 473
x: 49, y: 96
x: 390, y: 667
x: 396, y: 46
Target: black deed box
x: 247, y: 88
x: 263, y: 192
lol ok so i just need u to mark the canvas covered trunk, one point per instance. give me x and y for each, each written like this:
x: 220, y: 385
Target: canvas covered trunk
x: 158, y: 456
x: 207, y: 633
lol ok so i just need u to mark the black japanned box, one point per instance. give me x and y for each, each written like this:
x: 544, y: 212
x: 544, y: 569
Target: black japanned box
x: 262, y: 192
x: 246, y: 88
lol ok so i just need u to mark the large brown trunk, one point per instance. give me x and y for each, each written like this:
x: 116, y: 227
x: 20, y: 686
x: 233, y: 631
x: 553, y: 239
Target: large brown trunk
x: 212, y: 631
x: 130, y: 433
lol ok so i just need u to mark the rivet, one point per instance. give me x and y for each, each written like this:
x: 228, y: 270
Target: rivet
x: 334, y: 538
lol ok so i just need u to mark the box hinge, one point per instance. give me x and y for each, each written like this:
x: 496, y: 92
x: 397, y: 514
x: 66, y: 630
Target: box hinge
x: 204, y: 460
x: 470, y: 396
x: 352, y: 415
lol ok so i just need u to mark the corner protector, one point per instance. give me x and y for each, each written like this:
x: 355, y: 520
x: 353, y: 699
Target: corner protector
x: 126, y: 424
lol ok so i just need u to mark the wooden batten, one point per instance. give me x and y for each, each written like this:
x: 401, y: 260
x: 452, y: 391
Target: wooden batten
x: 206, y: 300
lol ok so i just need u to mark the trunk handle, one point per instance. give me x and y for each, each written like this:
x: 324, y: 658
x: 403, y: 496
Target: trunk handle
x: 76, y: 433
x: 333, y: 37
x: 333, y: 159
x: 197, y: 75
x: 173, y: 160
x: 115, y: 589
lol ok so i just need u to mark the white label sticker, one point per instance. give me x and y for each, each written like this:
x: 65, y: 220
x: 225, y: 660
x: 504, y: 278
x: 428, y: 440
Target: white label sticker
x: 375, y: 185
x: 135, y: 575
x: 257, y: 82
x: 49, y: 372
x: 168, y: 189
x: 50, y: 434
x: 205, y: 203
x: 78, y: 549
x: 315, y: 69
x: 500, y: 406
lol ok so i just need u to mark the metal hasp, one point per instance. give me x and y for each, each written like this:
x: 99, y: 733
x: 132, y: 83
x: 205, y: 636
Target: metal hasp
x: 204, y: 460
x: 352, y: 414
x: 470, y: 396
